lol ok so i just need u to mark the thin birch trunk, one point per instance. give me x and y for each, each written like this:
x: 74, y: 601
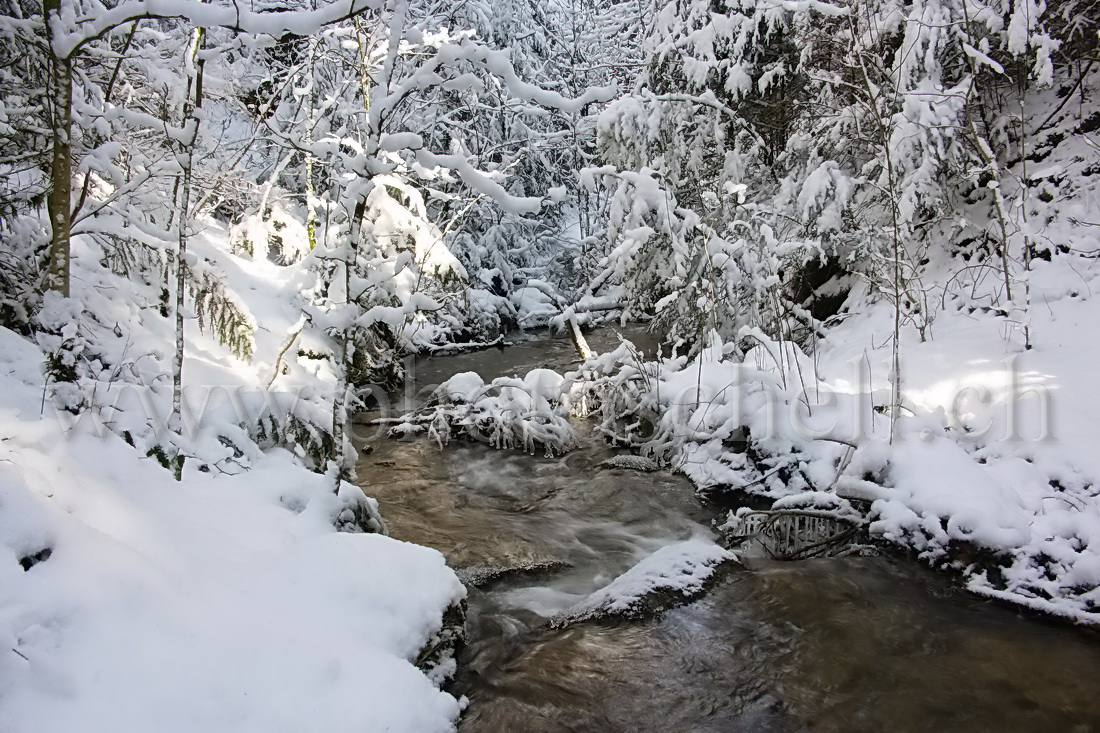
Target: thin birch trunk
x: 192, y: 103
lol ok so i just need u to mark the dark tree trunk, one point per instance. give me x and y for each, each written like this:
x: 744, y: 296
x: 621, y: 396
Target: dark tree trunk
x: 59, y: 202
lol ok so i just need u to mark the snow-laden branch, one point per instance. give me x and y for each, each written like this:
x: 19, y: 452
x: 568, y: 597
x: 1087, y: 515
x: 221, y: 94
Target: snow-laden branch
x: 69, y: 36
x: 801, y: 6
x: 499, y: 64
x: 480, y: 182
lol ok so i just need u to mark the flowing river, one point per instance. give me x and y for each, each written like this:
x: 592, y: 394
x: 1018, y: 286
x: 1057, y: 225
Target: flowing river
x: 837, y: 644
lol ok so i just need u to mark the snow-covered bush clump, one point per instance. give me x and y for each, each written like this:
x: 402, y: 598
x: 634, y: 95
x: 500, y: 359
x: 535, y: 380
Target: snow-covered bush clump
x: 506, y: 413
x: 617, y: 387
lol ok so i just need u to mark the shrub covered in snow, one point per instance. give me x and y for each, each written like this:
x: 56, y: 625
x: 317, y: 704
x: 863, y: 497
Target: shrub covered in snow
x: 506, y: 413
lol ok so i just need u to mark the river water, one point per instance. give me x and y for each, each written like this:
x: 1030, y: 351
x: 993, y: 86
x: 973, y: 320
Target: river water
x: 836, y: 644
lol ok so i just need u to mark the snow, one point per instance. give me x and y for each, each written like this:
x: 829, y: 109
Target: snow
x: 462, y: 387
x: 224, y: 602
x: 986, y: 464
x: 229, y: 601
x: 215, y: 604
x: 533, y: 306
x: 992, y: 470
x: 301, y: 22
x: 526, y: 413
x: 481, y: 182
x: 996, y: 446
x: 681, y: 568
x: 982, y: 58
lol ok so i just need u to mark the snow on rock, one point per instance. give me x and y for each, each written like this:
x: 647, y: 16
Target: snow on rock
x: 478, y: 576
x: 462, y: 387
x: 673, y: 574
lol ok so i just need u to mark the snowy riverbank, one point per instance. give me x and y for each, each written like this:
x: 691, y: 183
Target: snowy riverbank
x: 222, y: 603
x: 991, y: 470
x: 227, y: 601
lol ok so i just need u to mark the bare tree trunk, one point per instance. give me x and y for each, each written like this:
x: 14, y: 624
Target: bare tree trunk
x: 875, y: 105
x: 311, y: 194
x: 59, y: 201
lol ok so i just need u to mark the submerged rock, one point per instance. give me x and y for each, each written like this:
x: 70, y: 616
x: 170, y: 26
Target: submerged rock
x: 632, y: 463
x: 479, y: 576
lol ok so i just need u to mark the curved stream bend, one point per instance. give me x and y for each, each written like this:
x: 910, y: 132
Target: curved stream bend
x: 852, y: 644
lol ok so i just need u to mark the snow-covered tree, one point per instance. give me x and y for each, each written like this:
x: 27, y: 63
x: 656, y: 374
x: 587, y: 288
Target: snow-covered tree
x: 772, y: 153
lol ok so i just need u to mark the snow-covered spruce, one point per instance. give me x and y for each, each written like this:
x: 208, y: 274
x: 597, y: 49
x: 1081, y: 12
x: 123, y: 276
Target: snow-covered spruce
x: 506, y: 413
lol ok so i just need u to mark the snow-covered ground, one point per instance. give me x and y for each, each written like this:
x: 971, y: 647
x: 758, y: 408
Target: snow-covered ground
x: 1001, y: 448
x: 224, y: 602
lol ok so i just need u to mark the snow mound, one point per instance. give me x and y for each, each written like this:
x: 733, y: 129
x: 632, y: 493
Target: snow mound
x: 670, y: 576
x: 221, y: 603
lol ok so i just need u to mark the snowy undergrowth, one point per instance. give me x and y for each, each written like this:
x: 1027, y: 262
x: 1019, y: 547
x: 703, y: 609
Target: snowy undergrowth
x: 227, y: 601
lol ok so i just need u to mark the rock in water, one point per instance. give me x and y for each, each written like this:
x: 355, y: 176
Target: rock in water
x: 479, y: 576
x: 631, y: 463
x: 671, y: 576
